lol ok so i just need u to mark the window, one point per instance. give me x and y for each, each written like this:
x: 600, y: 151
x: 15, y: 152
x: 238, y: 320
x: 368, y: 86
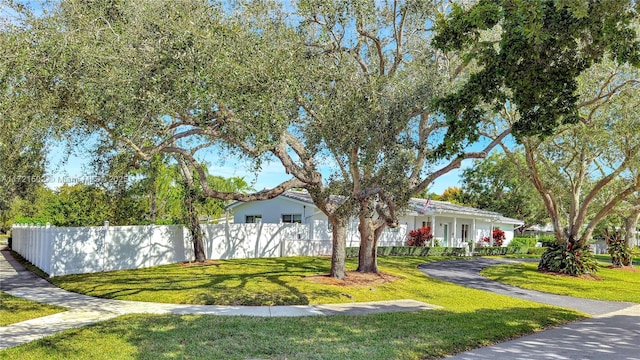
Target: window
x: 426, y: 224
x: 465, y: 232
x: 292, y: 218
x: 253, y: 219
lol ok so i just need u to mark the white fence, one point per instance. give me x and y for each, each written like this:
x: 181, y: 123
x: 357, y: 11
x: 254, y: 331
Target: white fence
x: 62, y: 251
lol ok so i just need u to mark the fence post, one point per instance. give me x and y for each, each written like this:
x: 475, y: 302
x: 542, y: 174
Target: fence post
x: 103, y: 253
x: 29, y: 249
x: 47, y: 250
x: 37, y: 258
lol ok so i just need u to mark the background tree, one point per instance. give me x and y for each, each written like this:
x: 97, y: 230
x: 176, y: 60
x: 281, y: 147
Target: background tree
x: 584, y: 172
x: 452, y: 194
x: 498, y: 184
x: 530, y: 70
x: 23, y: 134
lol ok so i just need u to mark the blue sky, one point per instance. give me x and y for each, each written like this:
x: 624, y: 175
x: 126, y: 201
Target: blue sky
x: 75, y: 169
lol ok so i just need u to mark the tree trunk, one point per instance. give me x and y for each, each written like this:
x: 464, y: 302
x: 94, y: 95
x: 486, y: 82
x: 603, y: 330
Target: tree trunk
x: 154, y: 207
x: 338, y: 220
x: 370, y: 231
x: 631, y: 225
x: 191, y: 215
x: 338, y: 251
x: 367, y: 257
x: 193, y: 224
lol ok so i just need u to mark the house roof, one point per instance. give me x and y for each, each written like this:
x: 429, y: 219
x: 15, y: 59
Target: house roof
x: 297, y: 196
x: 416, y: 207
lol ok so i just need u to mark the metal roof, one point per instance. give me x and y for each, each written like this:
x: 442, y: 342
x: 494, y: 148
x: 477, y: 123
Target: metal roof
x: 417, y: 208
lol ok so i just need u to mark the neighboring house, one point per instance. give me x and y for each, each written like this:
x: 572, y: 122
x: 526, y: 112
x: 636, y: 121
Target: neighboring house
x: 453, y: 225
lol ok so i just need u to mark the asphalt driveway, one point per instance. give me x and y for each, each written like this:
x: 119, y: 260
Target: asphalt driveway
x: 613, y: 332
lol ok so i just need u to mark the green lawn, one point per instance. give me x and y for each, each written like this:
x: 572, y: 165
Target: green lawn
x: 616, y: 285
x: 266, y: 281
x: 469, y: 318
x: 606, y: 258
x: 418, y: 335
x: 14, y: 310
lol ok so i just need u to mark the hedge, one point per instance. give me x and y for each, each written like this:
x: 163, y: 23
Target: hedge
x: 536, y: 250
x: 523, y: 241
x: 352, y: 252
x: 497, y: 250
x: 412, y: 251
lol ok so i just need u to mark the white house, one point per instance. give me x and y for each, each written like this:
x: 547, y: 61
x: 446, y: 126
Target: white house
x: 454, y: 225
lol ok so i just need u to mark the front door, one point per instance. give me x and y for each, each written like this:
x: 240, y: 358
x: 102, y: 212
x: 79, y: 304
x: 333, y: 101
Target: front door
x: 445, y: 236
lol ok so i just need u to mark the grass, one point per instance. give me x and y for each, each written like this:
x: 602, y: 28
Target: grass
x: 469, y: 318
x: 29, y: 266
x: 417, y: 335
x: 266, y: 281
x: 616, y: 284
x: 606, y: 258
x: 14, y: 310
x: 514, y: 256
x: 3, y: 241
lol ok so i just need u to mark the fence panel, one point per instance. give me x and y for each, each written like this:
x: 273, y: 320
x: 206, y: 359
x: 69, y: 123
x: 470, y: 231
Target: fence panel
x: 62, y: 251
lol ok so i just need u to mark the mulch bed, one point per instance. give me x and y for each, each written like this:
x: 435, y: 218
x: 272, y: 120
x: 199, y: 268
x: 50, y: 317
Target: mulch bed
x: 624, y: 268
x: 206, y: 263
x: 592, y: 277
x: 354, y: 278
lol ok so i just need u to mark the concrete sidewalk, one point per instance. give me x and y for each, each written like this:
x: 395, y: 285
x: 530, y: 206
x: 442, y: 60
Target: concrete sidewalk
x: 84, y: 310
x: 612, y: 334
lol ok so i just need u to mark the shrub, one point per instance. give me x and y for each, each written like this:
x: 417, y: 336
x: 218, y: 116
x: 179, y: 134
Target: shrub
x: 536, y: 250
x: 420, y: 237
x: 412, y: 251
x: 617, y: 248
x: 498, y: 239
x: 547, y: 240
x: 352, y: 252
x: 568, y: 259
x: 499, y: 250
x: 32, y: 220
x: 523, y: 241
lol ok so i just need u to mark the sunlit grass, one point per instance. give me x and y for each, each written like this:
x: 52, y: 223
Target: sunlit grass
x: 416, y: 335
x: 267, y: 281
x: 469, y: 318
x: 270, y: 281
x: 14, y: 310
x: 606, y: 258
x: 615, y: 285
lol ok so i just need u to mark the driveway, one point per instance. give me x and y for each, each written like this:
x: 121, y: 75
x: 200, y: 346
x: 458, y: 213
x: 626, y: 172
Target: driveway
x: 613, y: 332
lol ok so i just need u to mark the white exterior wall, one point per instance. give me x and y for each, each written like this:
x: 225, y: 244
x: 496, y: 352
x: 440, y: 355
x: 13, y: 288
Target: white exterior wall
x: 483, y: 229
x: 272, y: 210
x: 476, y: 232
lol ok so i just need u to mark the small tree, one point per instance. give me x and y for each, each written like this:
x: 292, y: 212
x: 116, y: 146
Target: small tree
x: 420, y: 237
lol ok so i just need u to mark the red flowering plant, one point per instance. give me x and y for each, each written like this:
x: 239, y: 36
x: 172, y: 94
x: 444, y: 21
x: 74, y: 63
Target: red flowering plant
x: 498, y: 238
x: 420, y: 237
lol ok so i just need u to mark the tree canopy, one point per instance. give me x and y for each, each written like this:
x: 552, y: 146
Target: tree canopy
x: 498, y: 183
x: 530, y: 54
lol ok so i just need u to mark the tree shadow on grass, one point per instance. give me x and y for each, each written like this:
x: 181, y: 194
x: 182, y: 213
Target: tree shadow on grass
x: 399, y: 335
x: 205, y: 285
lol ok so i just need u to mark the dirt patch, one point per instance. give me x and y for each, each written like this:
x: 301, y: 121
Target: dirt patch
x: 624, y: 268
x: 205, y: 263
x: 592, y: 277
x: 354, y: 279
